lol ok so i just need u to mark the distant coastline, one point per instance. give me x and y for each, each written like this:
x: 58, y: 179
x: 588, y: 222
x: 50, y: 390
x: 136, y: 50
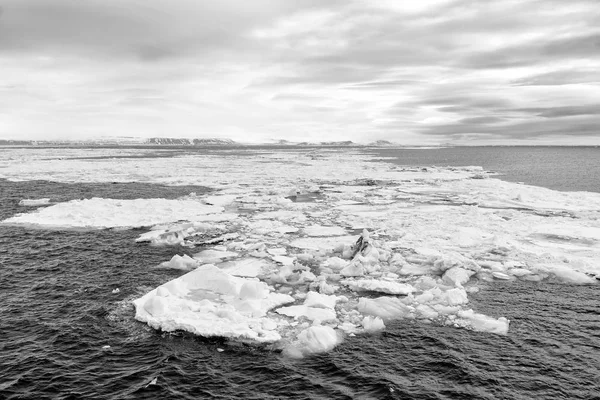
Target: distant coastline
x: 183, y: 143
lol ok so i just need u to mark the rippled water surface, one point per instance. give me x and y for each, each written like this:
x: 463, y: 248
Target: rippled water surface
x: 58, y: 313
x: 558, y: 168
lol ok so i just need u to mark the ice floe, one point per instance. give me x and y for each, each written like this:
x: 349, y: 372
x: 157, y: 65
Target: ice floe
x: 111, y: 213
x: 210, y: 302
x: 34, y: 202
x: 378, y: 243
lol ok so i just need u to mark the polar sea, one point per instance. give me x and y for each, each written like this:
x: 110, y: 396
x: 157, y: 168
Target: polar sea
x: 300, y: 273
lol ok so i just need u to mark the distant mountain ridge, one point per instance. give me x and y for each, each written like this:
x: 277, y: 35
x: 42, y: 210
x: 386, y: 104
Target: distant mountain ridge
x: 184, y: 142
x: 190, y: 142
x: 382, y: 143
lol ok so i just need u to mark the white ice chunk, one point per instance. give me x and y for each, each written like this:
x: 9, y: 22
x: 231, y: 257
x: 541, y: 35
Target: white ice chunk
x: 452, y: 297
x: 500, y: 275
x: 284, y: 260
x: 314, y: 299
x: 519, y: 272
x: 322, y: 243
x: 185, y: 263
x: 315, y: 339
x: 482, y: 323
x: 568, y: 275
x: 457, y: 276
x: 378, y: 285
x: 162, y: 238
x: 384, y: 307
x: 353, y: 269
x: 336, y: 263
x: 312, y: 313
x: 34, y: 202
x: 373, y: 324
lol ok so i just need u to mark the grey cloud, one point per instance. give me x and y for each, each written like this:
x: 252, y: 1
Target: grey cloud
x: 380, y: 40
x: 586, y: 126
x: 464, y: 101
x: 481, y: 120
x: 454, y: 109
x: 140, y: 52
x: 562, y: 111
x: 150, y: 30
x: 314, y: 74
x: 534, y: 52
x: 384, y: 84
x: 562, y: 77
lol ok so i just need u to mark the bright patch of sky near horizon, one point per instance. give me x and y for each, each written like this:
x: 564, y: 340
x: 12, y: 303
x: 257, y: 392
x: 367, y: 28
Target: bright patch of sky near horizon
x: 426, y: 72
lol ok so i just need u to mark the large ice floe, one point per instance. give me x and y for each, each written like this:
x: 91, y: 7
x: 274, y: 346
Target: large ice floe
x: 301, y: 249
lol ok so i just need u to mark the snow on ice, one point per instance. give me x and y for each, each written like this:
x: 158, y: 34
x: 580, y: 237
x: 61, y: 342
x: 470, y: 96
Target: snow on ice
x: 378, y: 242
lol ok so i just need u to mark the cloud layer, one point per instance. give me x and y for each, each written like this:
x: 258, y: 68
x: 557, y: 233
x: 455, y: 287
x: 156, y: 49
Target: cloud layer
x: 426, y: 72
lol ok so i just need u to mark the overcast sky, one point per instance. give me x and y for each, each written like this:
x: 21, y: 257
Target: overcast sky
x: 413, y: 72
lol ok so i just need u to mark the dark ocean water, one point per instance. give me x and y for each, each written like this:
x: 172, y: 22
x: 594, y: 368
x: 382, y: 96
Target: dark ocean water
x: 57, y: 311
x: 558, y: 168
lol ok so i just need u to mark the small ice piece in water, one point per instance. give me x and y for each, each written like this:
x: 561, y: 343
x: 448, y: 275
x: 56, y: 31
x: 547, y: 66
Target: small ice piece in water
x: 566, y: 274
x: 373, y: 324
x: 115, y: 291
x: 184, y: 263
x: 34, y: 202
x: 152, y: 382
x: 500, y: 275
x: 482, y: 323
x: 384, y: 307
x: 315, y: 339
x: 105, y: 347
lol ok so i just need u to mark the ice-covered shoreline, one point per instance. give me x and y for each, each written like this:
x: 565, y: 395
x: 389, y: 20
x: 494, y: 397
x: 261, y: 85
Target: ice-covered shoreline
x: 291, y: 272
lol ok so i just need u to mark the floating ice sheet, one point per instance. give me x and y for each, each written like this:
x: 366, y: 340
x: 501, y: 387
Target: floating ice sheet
x: 210, y: 302
x: 111, y: 213
x: 294, y: 274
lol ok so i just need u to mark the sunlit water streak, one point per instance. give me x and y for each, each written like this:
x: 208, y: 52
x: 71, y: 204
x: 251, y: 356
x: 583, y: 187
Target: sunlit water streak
x: 58, y: 312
